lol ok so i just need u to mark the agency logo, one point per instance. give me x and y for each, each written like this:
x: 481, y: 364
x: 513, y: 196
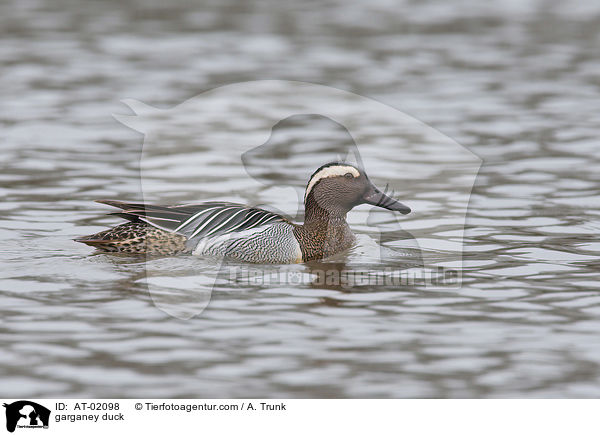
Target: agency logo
x: 256, y: 143
x: 24, y: 414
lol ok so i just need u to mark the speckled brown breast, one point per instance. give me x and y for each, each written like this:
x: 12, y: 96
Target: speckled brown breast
x: 322, y: 239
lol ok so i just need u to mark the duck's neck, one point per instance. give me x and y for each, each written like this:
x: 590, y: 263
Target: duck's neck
x: 325, y: 232
x: 316, y: 215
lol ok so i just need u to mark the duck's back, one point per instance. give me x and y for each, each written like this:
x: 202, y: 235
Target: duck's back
x: 213, y: 228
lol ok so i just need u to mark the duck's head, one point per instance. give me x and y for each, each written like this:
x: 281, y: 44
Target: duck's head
x: 338, y: 187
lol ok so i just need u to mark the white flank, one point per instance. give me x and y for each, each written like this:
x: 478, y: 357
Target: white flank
x: 330, y: 171
x: 206, y: 243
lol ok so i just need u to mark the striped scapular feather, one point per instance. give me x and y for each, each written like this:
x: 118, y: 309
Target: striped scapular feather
x: 199, y: 220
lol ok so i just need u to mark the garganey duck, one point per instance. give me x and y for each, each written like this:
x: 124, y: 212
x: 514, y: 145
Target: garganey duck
x: 245, y: 233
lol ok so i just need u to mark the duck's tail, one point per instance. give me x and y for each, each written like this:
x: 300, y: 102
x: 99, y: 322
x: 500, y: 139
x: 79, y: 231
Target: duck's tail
x: 136, y: 238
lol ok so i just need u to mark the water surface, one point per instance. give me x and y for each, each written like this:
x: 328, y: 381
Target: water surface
x: 516, y: 83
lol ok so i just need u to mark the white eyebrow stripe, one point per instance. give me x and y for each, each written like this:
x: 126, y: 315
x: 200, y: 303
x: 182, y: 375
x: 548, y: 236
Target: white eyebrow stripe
x: 330, y: 171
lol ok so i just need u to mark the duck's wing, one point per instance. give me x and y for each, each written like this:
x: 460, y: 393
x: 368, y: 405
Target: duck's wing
x: 197, y: 220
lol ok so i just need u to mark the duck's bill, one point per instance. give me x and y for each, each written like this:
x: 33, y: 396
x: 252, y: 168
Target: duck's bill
x: 376, y: 197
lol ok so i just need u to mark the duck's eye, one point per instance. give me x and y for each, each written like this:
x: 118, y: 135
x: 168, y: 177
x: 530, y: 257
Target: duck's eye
x: 348, y: 175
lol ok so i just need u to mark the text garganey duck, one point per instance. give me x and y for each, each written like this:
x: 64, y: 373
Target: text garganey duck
x: 246, y: 233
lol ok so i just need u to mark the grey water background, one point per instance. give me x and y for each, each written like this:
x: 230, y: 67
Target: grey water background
x: 517, y: 83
